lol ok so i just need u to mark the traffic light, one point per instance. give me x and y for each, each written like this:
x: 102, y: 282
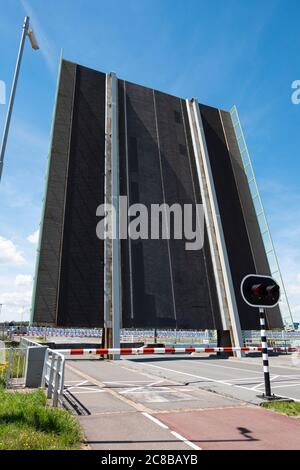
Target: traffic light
x: 260, y: 291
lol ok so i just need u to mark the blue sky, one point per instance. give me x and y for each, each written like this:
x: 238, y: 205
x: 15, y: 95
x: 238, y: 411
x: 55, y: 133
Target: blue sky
x: 222, y: 52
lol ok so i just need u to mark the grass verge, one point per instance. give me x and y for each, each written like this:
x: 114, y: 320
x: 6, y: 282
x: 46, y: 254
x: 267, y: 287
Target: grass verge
x: 27, y: 423
x: 287, y: 408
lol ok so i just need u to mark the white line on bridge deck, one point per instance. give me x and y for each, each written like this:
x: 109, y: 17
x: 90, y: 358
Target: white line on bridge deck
x: 224, y: 382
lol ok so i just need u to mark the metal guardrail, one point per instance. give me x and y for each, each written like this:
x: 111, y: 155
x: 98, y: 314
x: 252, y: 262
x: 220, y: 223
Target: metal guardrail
x: 53, y: 376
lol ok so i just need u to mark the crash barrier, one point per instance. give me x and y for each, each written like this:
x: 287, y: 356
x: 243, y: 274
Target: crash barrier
x: 141, y: 351
x: 53, y: 376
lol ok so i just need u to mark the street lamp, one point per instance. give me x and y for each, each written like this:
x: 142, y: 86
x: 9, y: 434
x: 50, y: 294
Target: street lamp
x: 26, y: 32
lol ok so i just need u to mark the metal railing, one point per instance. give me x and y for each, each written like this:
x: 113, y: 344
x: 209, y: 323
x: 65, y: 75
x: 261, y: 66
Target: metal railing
x: 172, y: 336
x: 284, y: 338
x: 12, y: 366
x: 53, y: 376
x: 26, y: 343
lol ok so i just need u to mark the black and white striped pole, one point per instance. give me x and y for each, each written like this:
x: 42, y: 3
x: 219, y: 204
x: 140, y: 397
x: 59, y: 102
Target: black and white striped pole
x: 262, y: 292
x: 265, y: 356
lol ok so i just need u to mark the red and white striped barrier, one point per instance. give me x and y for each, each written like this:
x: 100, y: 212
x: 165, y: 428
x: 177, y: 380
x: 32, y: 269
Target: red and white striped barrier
x: 142, y: 351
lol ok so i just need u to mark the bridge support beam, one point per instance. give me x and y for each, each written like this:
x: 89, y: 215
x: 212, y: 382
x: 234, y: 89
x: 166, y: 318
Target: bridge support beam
x: 112, y: 256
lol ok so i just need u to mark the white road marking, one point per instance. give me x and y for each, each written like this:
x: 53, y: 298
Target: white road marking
x: 284, y: 386
x: 82, y: 383
x: 234, y: 368
x: 175, y: 434
x: 244, y: 378
x: 186, y: 441
x: 297, y: 376
x: 128, y: 382
x: 274, y: 377
x: 212, y: 380
x: 143, y: 387
x: 257, y: 386
x: 86, y: 391
x: 262, y: 383
x: 158, y: 390
x: 78, y: 383
x: 72, y: 381
x: 191, y: 375
x: 155, y: 420
x: 90, y: 389
x: 152, y: 392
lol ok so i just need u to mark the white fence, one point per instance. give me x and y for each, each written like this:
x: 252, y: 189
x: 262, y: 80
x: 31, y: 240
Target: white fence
x: 163, y: 335
x: 53, y: 376
x: 127, y: 335
x: 284, y: 338
x: 48, y: 332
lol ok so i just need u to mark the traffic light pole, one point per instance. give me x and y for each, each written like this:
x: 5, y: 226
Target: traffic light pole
x: 265, y: 356
x: 263, y: 292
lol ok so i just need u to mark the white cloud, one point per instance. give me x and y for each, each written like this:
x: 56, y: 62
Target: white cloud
x: 16, y: 305
x: 294, y: 287
x: 15, y: 295
x: 16, y: 298
x: 23, y: 280
x: 9, y: 253
x: 297, y: 310
x: 34, y: 237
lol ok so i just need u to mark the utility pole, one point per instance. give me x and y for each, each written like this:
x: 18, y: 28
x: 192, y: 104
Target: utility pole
x: 26, y: 32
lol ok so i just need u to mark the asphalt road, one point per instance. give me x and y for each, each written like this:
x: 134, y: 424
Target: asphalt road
x: 182, y: 403
x: 241, y: 379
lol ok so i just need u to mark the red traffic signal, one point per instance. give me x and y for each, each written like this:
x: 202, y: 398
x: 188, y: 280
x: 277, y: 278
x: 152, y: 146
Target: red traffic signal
x: 260, y: 291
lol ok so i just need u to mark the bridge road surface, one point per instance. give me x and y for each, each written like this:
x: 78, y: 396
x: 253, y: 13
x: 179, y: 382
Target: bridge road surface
x: 132, y: 405
x: 241, y: 379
